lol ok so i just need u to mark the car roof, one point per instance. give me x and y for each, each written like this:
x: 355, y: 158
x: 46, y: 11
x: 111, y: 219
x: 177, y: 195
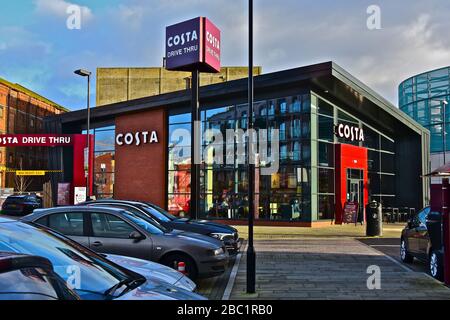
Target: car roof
x: 130, y: 202
x: 44, y: 212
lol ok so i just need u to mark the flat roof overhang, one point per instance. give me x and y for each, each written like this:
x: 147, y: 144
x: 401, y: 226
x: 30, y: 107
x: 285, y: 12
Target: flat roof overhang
x: 327, y: 79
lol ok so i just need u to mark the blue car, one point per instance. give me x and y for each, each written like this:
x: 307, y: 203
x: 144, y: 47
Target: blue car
x: 90, y: 275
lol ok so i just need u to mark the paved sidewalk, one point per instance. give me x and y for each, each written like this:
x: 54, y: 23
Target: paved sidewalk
x: 331, y: 268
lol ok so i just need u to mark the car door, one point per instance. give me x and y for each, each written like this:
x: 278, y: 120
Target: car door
x: 412, y: 235
x: 423, y: 236
x: 70, y: 224
x: 110, y: 234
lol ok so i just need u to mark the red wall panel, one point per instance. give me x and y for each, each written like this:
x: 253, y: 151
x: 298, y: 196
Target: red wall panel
x: 348, y: 157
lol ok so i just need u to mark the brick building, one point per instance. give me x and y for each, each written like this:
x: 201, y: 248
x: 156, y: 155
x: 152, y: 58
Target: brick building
x: 23, y: 111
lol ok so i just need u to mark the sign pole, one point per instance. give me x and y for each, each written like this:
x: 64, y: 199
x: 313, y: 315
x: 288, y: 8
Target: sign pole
x: 251, y: 256
x: 195, y: 145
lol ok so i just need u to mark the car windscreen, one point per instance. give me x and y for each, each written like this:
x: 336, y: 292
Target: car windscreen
x: 144, y: 223
x: 86, y: 272
x: 161, y: 212
x: 19, y: 199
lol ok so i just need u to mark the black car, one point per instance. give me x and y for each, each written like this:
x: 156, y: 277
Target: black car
x: 20, y: 205
x: 422, y: 239
x: 228, y: 235
x: 25, y: 277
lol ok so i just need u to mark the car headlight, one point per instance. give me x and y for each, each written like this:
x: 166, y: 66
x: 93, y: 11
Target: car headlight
x: 218, y: 252
x: 219, y: 236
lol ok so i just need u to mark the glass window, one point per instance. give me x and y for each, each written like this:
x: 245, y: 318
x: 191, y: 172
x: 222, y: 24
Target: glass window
x: 180, y: 118
x: 104, y: 161
x: 371, y: 138
x: 178, y: 204
x: 326, y: 154
x: 387, y: 163
x: 325, y: 108
x: 326, y: 180
x: 326, y: 128
x: 104, y: 140
x: 326, y: 207
x: 387, y: 145
x: 109, y: 226
x: 69, y: 224
x: 387, y: 184
x: 343, y: 116
x: 374, y: 161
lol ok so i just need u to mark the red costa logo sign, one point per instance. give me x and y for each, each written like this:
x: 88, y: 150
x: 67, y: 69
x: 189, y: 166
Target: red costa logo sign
x: 351, y: 133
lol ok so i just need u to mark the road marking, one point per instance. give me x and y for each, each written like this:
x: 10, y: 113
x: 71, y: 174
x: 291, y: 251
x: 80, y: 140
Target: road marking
x: 401, y: 265
x: 233, y: 274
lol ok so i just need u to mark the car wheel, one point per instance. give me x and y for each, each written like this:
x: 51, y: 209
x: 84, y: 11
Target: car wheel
x: 404, y: 254
x: 436, y: 266
x: 172, y: 261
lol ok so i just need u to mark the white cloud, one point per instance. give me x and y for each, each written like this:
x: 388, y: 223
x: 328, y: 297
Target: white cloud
x: 58, y: 8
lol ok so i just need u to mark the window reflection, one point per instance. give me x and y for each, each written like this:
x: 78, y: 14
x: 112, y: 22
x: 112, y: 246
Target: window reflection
x: 104, y: 162
x: 284, y: 196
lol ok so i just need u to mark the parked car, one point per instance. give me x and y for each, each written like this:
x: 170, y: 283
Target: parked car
x: 25, y: 277
x: 422, y: 239
x: 152, y: 270
x: 117, y: 231
x: 92, y: 276
x: 228, y: 235
x: 20, y: 205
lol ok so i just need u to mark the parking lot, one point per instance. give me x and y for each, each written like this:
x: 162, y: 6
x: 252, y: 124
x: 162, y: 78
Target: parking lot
x: 328, y: 263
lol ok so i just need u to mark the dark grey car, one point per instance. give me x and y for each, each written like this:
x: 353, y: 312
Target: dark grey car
x: 117, y: 231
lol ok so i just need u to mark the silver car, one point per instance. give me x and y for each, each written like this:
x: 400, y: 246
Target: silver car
x: 153, y: 271
x: 117, y: 231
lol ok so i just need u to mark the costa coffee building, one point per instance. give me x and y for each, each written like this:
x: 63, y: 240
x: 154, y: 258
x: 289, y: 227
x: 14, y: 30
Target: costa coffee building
x: 339, y: 142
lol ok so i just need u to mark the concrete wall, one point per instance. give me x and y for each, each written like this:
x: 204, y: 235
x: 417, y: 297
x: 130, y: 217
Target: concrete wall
x: 122, y: 84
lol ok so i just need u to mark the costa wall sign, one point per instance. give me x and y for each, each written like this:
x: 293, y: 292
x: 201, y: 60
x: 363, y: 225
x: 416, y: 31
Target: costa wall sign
x: 193, y: 44
x: 348, y: 132
x: 137, y: 138
x: 35, y: 140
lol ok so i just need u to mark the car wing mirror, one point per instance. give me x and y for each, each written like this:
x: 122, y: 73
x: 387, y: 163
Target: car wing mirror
x: 136, y: 236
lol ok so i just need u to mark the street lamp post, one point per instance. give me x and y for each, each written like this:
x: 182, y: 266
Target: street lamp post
x: 251, y: 256
x: 86, y: 73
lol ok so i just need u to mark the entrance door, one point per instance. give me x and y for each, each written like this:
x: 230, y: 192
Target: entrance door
x: 355, y: 189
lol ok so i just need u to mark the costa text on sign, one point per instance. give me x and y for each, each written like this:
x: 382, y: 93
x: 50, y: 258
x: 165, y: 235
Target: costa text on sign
x: 137, y: 138
x: 193, y: 45
x: 349, y: 132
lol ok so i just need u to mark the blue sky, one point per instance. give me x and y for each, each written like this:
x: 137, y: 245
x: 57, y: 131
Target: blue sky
x: 38, y: 51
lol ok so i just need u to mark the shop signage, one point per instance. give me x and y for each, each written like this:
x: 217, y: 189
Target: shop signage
x: 79, y: 195
x: 137, y: 138
x: 35, y: 140
x: 348, y: 132
x: 193, y: 44
x: 63, y: 198
x: 350, y: 212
